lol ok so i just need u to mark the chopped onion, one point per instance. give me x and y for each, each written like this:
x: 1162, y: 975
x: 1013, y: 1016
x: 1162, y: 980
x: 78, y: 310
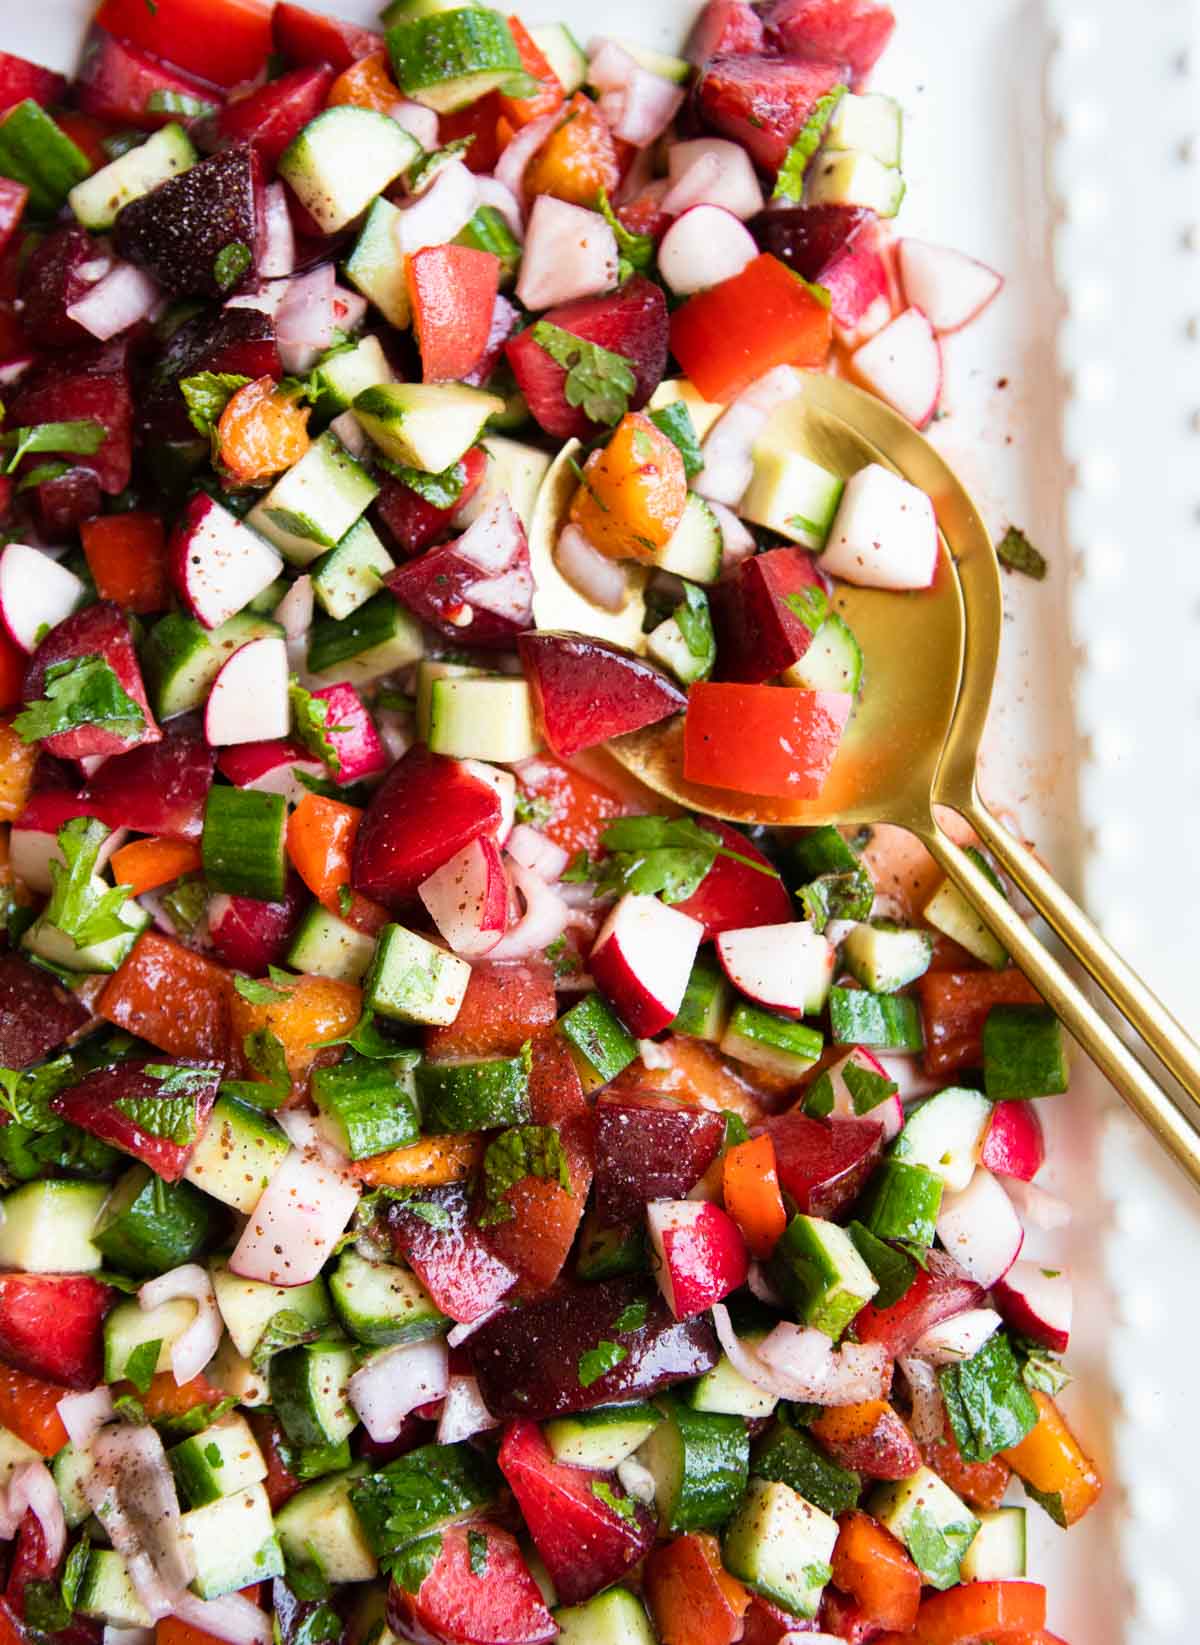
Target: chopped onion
x: 278, y: 257
x: 928, y: 1419
x: 712, y: 171
x: 603, y: 581
x: 531, y: 848
x: 1034, y: 1205
x: 303, y: 1131
x: 391, y: 1385
x: 123, y: 297
x: 459, y: 1333
x: 349, y: 309
x: 127, y: 1636
x: 418, y: 122
x: 295, y: 612
x: 737, y: 544
x: 463, y: 1412
x: 304, y: 321
x: 494, y: 193
x: 655, y: 1056
x: 351, y: 433
x: 14, y: 368
x: 193, y: 1350
x: 83, y: 1414
x: 510, y: 168
x: 299, y: 1218
x: 543, y: 922
x: 636, y: 1480
x: 743, y: 1358
x: 638, y: 105
x: 439, y: 213
x: 957, y: 1339
x: 232, y: 1617
x: 131, y: 1491
x: 728, y: 450
x: 570, y: 253
x: 31, y: 1488
x: 807, y: 1363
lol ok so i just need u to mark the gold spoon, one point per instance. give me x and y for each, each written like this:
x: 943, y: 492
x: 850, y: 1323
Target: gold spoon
x: 914, y: 740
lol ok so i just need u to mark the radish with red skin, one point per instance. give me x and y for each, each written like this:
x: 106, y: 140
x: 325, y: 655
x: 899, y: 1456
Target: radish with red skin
x: 903, y: 365
x: 889, y: 1113
x: 101, y: 630
x: 13, y: 199
x: 249, y: 935
x: 1014, y: 1144
x: 1037, y: 1302
x: 218, y: 564
x: 352, y: 734
x: 648, y: 1147
x: 724, y: 26
x: 758, y: 632
x: 452, y: 1261
x: 33, y: 842
x: 415, y: 524
x: 733, y: 896
x: 787, y: 968
x: 642, y: 959
x: 50, y: 1326
x: 949, y: 287
x: 823, y: 1165
x: 884, y: 534
x: 704, y: 246
x: 36, y: 1014
x: 587, y: 690
x: 249, y: 698
x: 860, y: 296
x: 473, y: 1598
x: 853, y: 32
x: 476, y: 590
x: 270, y: 767
x: 36, y: 593
x: 117, y: 81
x: 762, y: 102
x: 939, y: 1291
x: 701, y: 1255
x: 467, y: 898
x: 159, y: 788
x: 585, y: 1544
x: 981, y: 1230
x: 21, y: 79
x: 271, y: 116
x: 92, y: 1105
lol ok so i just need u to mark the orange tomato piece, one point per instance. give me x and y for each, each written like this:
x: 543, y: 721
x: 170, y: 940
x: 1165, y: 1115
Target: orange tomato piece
x: 262, y: 431
x: 692, y: 1598
x: 166, y: 1398
x: 367, y: 84
x: 871, y: 1566
x: 17, y: 760
x: 1053, y: 1462
x: 311, y: 1012
x: 578, y: 160
x: 148, y: 863
x: 752, y: 1196
x: 127, y: 557
x: 177, y: 1000
x: 975, y: 1612
x: 633, y: 492
x: 504, y: 1005
x: 29, y: 1407
x: 549, y: 97
x: 429, y: 1163
x: 320, y: 844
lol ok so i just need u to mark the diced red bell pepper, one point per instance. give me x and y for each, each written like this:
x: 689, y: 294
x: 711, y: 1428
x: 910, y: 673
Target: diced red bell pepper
x: 177, y: 1000
x: 98, y: 1104
x: 573, y: 809
x: 938, y: 1292
x: 99, y: 630
x: 854, y: 32
x: 727, y: 337
x: 763, y: 739
x: 415, y: 524
x: 20, y: 79
x: 453, y: 291
x: 549, y: 97
x: 954, y: 1008
x: 845, y: 1618
x: 506, y: 1003
x: 823, y: 1164
x: 160, y: 788
x: 225, y: 41
x: 975, y: 1612
x: 474, y: 1595
x: 452, y: 1261
x: 12, y: 206
x: 119, y: 82
x: 426, y: 809
x: 36, y: 1015
x: 870, y: 1564
x: 733, y: 897
x: 585, y: 1544
x: 649, y: 1146
x: 764, y: 102
x: 50, y: 1325
x: 271, y: 116
x: 755, y: 614
x: 306, y: 37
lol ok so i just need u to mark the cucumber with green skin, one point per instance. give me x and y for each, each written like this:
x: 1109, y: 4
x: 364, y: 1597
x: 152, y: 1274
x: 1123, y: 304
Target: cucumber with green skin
x: 326, y: 946
x: 36, y: 151
x: 381, y: 1303
x: 308, y: 1391
x: 244, y: 843
x: 700, y: 1461
x: 347, y: 576
x: 475, y: 1095
x: 218, y: 1461
x: 604, y: 1437
x: 367, y: 1106
x: 232, y: 1542
x: 902, y: 1203
x: 887, y: 1022
x: 600, y: 1044
x: 374, y: 640
x: 817, y: 1270
x: 237, y: 1154
x: 704, y: 1014
x: 97, y: 200
x: 147, y: 1226
x: 319, y: 1525
x: 449, y: 59
x: 181, y: 658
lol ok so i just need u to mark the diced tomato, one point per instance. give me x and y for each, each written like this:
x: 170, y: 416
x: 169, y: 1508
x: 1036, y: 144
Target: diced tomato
x: 981, y: 1484
x: 472, y: 1595
x: 870, y: 1565
x: 954, y: 1008
x: 976, y: 1612
x: 177, y: 1000
x: 763, y: 739
x: 505, y: 1004
x: 303, y: 36
x: 692, y: 1598
x: 727, y: 337
x: 320, y: 842
x: 479, y: 121
x: 225, y: 41
x: 578, y: 159
x: 127, y: 557
x: 263, y: 429
x: 50, y: 1325
x: 453, y: 292
x: 29, y: 1408
x: 549, y: 97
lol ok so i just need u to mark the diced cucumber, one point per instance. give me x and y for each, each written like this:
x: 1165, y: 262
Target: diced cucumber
x: 107, y: 1592
x: 344, y: 372
x: 867, y: 123
x: 997, y: 1553
x: 249, y: 1305
x: 725, y: 1389
x: 244, y: 843
x: 320, y: 1525
x: 314, y: 505
x: 232, y: 1542
x: 412, y: 981
x: 884, y: 958
x: 237, y: 1154
x: 342, y: 160
x: 376, y: 268
x: 429, y: 671
x: 373, y: 641
x: 696, y: 545
x: 147, y: 1226
x: 792, y: 1456
x: 703, y: 413
x: 764, y: 1040
x: 704, y: 1014
x: 308, y: 1391
x: 563, y: 53
x: 792, y: 496
x: 669, y: 647
x: 599, y: 1042
x: 425, y: 425
x: 70, y: 1468
x: 350, y: 574
x: 889, y: 1022
x: 218, y: 1461
x: 515, y: 471
x: 403, y: 11
x: 949, y: 912
x: 488, y: 717
x: 181, y: 658
x: 381, y: 1303
x: 36, y: 151
x: 47, y: 1227
x: 902, y: 1203
x: 676, y: 69
x: 451, y: 59
x: 843, y: 179
x: 833, y: 661
x: 819, y: 1273
x: 488, y: 231
x: 129, y: 1326
x: 615, y: 1617
x: 944, y: 1134
x: 54, y: 946
x: 236, y: 1377
x: 367, y: 1106
x: 97, y: 200
x: 423, y: 1492
x: 700, y: 1461
x: 601, y: 1438
x: 780, y: 1546
x: 474, y: 1094
x: 13, y: 1453
x: 934, y: 1524
x: 610, y: 1253
x: 1024, y: 1053
x: 325, y: 946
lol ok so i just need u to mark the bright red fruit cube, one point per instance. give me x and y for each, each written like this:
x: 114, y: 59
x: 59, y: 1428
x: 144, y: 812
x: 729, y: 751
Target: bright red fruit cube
x: 478, y: 589
x: 452, y: 1261
x: 702, y: 1256
x: 117, y: 82
x: 587, y: 690
x: 756, y: 614
x: 99, y: 630
x: 50, y: 1325
x: 415, y: 524
x: 453, y: 291
x: 733, y: 896
x: 424, y: 812
x: 474, y: 1595
x: 53, y: 279
x: 303, y: 36
x: 764, y: 102
x: 824, y: 1164
x: 1014, y: 1144
x: 20, y: 79
x: 585, y: 1543
x: 88, y: 385
x: 724, y: 27
x: 648, y: 1146
x: 271, y: 116
x: 106, y: 1103
x: 854, y: 32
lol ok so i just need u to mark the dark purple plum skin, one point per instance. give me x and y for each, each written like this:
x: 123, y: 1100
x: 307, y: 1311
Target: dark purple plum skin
x: 36, y: 1015
x: 808, y: 238
x: 648, y: 1150
x: 180, y: 229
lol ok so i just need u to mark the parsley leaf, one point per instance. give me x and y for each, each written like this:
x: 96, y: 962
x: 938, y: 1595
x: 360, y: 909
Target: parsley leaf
x: 26, y: 1095
x: 207, y: 394
x: 597, y: 1362
x: 83, y: 691
x: 310, y: 723
x: 83, y: 438
x: 790, y: 183
x: 675, y: 421
x: 265, y: 1054
x: 1016, y: 552
x: 141, y: 1364
x: 365, y: 1038
x: 622, y: 1506
x: 230, y: 263
x: 695, y: 624
x: 652, y: 855
x: 599, y: 381
x: 636, y: 250
x: 259, y: 993
x: 521, y: 1151
x: 198, y: 1418
x: 632, y: 1317
x: 409, y: 1568
x: 477, y: 1552
x: 81, y: 906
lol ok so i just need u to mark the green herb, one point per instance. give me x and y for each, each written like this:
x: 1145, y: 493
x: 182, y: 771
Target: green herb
x: 428, y: 1487
x: 364, y: 1038
x: 306, y: 1577
x: 893, y: 1270
x: 656, y: 855
x: 81, y: 906
x: 260, y: 993
x: 1051, y: 1501
x: 695, y: 624
x: 130, y: 1410
x: 587, y: 485
x: 598, y: 381
x: 599, y: 1361
x: 26, y: 1095
x: 179, y: 1080
x: 83, y: 437
x: 423, y: 169
x: 632, y: 1317
x: 173, y: 1119
x: 431, y: 1213
x: 564, y: 958
x: 142, y: 1364
x: 817, y: 1574
x: 83, y: 691
x: 230, y: 263
x: 265, y: 1054
x: 212, y: 1455
x: 287, y: 1328
x: 207, y: 394
x: 620, y: 1505
x: 317, y: 1627
x: 439, y: 490
x: 1016, y: 552
x: 74, y: 1569
x: 989, y: 1406
x: 41, y: 473
x: 477, y: 1552
x: 937, y: 1550
x: 1041, y: 1371
x: 199, y: 1417
x: 844, y: 896
x: 310, y: 723
x: 810, y: 605
x: 867, y: 1088
x: 675, y: 421
x: 790, y: 182
x: 410, y: 1567
x: 46, y: 1612
x: 521, y: 1151
x: 163, y: 101
x: 185, y: 904
x: 534, y: 809
x: 636, y: 251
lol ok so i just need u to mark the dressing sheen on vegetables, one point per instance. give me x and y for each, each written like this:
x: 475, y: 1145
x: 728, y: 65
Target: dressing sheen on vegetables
x: 445, y: 1198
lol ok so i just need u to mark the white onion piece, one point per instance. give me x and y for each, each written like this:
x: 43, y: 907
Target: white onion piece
x: 131, y: 1491
x: 94, y: 269
x: 267, y: 298
x: 351, y: 433
x: 906, y: 1072
x: 496, y: 194
x: 570, y: 253
x: 123, y: 297
x: 396, y: 731
x: 391, y: 1385
x: 278, y: 258
x: 531, y: 848
x: 740, y: 1355
x: 418, y: 122
x: 543, y: 922
x: 459, y: 1333
x: 349, y: 309
x: 304, y: 320
x: 636, y: 1480
x: 1034, y: 1205
x: 729, y: 449
x: 439, y: 213
x: 193, y: 1350
x: 303, y: 1131
x: 127, y: 1636
x: 510, y: 168
x: 712, y: 171
x: 83, y: 1414
x: 14, y: 368
x: 811, y: 1369
x: 603, y: 581
x: 610, y: 66
x: 737, y: 544
x: 463, y: 1412
x: 297, y: 1221
x: 295, y: 612
x: 957, y: 1339
x: 31, y: 1488
x: 928, y: 1419
x: 233, y: 1618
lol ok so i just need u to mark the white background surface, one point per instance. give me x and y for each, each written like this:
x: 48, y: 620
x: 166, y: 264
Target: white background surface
x: 1051, y: 139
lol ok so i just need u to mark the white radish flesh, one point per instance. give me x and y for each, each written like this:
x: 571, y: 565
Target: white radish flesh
x: 703, y: 247
x: 884, y: 534
x: 949, y: 287
x: 569, y: 253
x: 248, y: 702
x: 903, y: 365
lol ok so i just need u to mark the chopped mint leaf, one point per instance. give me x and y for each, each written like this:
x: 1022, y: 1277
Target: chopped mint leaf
x: 632, y: 1317
x: 83, y: 691
x: 207, y: 394
x: 230, y: 263
x: 938, y: 1550
x: 599, y: 1361
x: 534, y: 809
x: 438, y: 490
x: 431, y: 1213
x: 366, y: 1039
x: 790, y: 183
x: 598, y: 381
x: 286, y: 1328
x: 656, y: 855
x: 521, y: 1151
x: 1051, y: 1501
x: 81, y: 906
x: 345, y: 900
x: 636, y: 250
x: 212, y: 1455
x: 173, y: 1119
x: 847, y: 896
x: 25, y: 1095
x: 410, y: 1567
x: 265, y: 1054
x: 179, y: 1080
x: 41, y: 473
x: 141, y: 1365
x: 310, y: 723
x: 989, y: 1407
x: 867, y: 1089
x: 164, y: 101
x: 73, y: 1570
x: 894, y: 1270
x: 83, y: 438
x: 675, y: 421
x: 185, y: 903
x: 695, y: 624
x: 128, y: 1408
x: 1016, y: 552
x: 259, y: 993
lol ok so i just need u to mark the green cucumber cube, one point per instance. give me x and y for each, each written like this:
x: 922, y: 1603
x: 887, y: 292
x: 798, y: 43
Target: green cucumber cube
x: 475, y: 1094
x: 350, y: 574
x: 367, y: 1107
x: 884, y: 959
x: 249, y: 1305
x: 319, y: 1525
x: 218, y: 1461
x: 412, y: 981
x: 425, y: 425
x: 700, y: 1462
x: 452, y: 58
x: 818, y: 1271
x: 482, y: 717
x: 792, y: 496
x: 47, y: 1227
x: 888, y: 1022
x: 704, y: 1014
x: 237, y: 1154
x: 791, y: 1456
x: 97, y: 200
x: 107, y: 1592
x: 233, y: 1543
x: 128, y: 1327
x: 780, y: 1546
x: 601, y: 1438
x: 308, y: 1391
x: 315, y: 504
x: 902, y: 1203
x: 1024, y: 1053
x: 764, y: 1040
x: 934, y: 1524
x: 615, y: 1617
x: 342, y: 160
x: 599, y: 1042
x: 382, y: 1303
x: 147, y: 1226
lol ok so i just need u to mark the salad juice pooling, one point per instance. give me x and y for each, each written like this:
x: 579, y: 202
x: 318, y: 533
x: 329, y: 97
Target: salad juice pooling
x: 444, y: 1197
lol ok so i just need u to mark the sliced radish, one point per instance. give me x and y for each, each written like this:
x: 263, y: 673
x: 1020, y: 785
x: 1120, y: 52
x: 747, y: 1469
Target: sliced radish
x: 467, y: 898
x: 36, y: 594
x: 271, y: 768
x: 391, y: 1385
x: 981, y: 1230
x: 1014, y: 1144
x: 505, y: 786
x: 860, y: 299
x: 787, y: 968
x: 701, y: 1254
x: 884, y: 534
x: 887, y: 1112
x: 703, y: 247
x: 440, y: 212
x: 642, y: 960
x: 1038, y: 1303
x: 299, y: 1218
x: 218, y: 564
x: 957, y: 1339
x: 712, y: 171
x: 903, y: 365
x: 248, y: 702
x: 1035, y: 1206
x: 356, y: 743
x: 569, y: 253
x: 946, y: 285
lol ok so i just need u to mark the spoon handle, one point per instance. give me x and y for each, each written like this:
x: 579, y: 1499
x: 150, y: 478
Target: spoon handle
x: 1154, y: 1107
x: 1141, y: 1008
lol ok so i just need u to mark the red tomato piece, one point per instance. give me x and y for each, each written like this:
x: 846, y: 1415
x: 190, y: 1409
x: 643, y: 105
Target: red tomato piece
x: 474, y: 1595
x: 453, y: 292
x: 763, y: 739
x: 50, y: 1325
x: 225, y: 41
x: 725, y: 338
